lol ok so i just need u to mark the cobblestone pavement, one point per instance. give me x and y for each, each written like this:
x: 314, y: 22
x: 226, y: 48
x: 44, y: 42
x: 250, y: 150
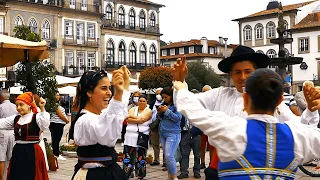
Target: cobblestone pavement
x: 65, y: 170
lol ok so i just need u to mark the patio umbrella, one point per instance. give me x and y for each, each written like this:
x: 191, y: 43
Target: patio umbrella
x: 14, y: 50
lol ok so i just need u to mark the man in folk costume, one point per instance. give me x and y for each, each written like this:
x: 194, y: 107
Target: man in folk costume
x: 257, y: 147
x: 242, y: 62
x: 27, y: 160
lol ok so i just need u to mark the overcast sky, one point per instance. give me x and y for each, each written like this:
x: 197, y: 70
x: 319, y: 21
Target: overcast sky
x: 182, y: 20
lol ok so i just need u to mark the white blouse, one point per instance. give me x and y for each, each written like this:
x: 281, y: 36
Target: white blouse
x: 230, y: 101
x: 42, y: 118
x: 228, y: 134
x: 104, y: 129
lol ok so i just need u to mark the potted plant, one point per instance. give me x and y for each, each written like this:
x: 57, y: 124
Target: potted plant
x: 70, y: 150
x: 72, y: 66
x: 120, y: 157
x: 52, y: 160
x: 149, y: 158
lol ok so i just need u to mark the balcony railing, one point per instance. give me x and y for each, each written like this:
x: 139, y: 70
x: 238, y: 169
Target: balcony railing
x: 116, y: 25
x: 66, y: 4
x: 75, y: 70
x: 80, y: 41
x: 132, y: 66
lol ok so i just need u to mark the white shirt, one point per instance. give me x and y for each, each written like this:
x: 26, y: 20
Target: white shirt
x: 230, y: 101
x: 42, y: 118
x: 131, y: 135
x: 228, y: 134
x: 104, y: 129
x: 7, y: 109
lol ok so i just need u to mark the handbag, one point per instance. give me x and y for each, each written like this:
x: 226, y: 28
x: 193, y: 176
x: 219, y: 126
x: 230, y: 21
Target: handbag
x: 154, y: 126
x: 143, y: 139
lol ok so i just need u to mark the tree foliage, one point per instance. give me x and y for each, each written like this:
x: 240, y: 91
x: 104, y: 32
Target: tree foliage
x: 155, y: 77
x: 199, y: 75
x: 41, y: 75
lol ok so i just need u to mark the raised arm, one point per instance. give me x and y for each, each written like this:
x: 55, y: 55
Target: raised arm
x: 227, y: 134
x: 43, y: 117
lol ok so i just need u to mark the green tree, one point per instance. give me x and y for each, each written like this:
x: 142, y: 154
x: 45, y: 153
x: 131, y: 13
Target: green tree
x: 199, y: 75
x: 155, y: 77
x: 42, y: 73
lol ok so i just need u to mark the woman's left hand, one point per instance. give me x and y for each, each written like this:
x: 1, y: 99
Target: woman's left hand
x: 163, y: 108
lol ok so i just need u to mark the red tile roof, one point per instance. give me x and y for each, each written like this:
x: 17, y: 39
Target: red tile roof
x: 191, y: 55
x: 274, y: 11
x: 311, y: 20
x: 192, y: 42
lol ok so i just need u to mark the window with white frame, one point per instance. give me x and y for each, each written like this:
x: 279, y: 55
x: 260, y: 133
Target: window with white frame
x: 69, y: 28
x: 271, y: 53
x: 122, y: 53
x: 142, y: 17
x: 91, y: 31
x: 181, y: 50
x: 72, y: 4
x: 132, y: 55
x: 247, y: 33
x: 1, y: 24
x: 81, y: 62
x: 164, y: 52
x: 304, y: 45
x: 172, y: 51
x: 191, y: 49
x: 69, y: 61
x: 153, y: 54
x: 18, y: 21
x: 153, y: 19
x: 121, y: 17
x: 91, y: 60
x: 110, y: 52
x: 33, y: 26
x: 84, y: 4
x: 271, y: 30
x: 286, y: 26
x: 109, y: 12
x: 143, y: 54
x: 46, y: 30
x: 259, y: 31
x: 132, y: 18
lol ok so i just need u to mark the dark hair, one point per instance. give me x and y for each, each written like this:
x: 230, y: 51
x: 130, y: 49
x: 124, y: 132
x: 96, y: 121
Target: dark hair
x: 168, y: 91
x: 194, y: 91
x: 143, y: 96
x: 89, y: 80
x: 265, y: 88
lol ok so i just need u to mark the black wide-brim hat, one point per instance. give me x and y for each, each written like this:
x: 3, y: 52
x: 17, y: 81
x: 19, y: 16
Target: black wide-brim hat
x: 243, y: 53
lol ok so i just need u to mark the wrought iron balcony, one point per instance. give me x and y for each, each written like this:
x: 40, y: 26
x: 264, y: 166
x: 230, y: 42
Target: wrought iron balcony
x: 131, y: 66
x: 111, y: 24
x: 80, y: 41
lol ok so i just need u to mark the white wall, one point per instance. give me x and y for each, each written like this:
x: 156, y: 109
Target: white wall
x: 264, y: 24
x: 309, y: 58
x: 128, y: 40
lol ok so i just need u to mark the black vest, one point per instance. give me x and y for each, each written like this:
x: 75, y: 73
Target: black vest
x: 26, y: 132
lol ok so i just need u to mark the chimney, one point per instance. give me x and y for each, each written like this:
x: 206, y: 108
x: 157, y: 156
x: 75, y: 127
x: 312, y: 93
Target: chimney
x: 221, y: 40
x: 204, y: 43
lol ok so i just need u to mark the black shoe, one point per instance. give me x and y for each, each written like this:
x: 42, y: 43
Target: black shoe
x: 164, y: 165
x: 165, y: 169
x: 211, y: 174
x: 183, y: 175
x: 154, y: 163
x: 202, y: 166
x: 197, y: 175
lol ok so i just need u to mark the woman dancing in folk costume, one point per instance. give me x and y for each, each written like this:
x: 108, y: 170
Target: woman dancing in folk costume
x: 135, y: 155
x: 98, y: 124
x: 258, y: 147
x: 27, y: 161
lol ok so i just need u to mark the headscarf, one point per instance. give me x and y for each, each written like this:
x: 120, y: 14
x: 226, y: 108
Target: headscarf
x: 27, y: 98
